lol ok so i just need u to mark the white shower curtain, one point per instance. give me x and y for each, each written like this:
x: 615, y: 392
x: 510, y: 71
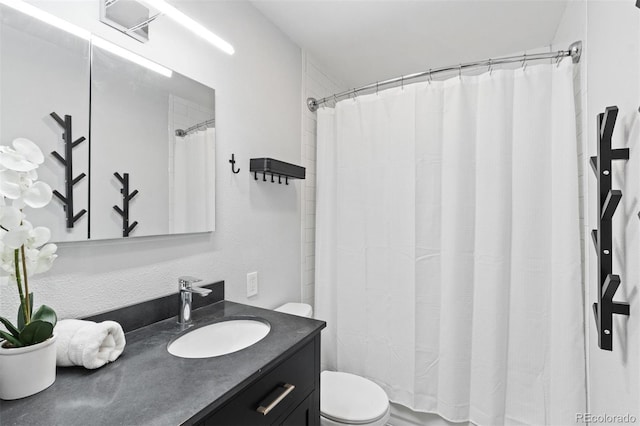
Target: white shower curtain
x: 448, y: 245
x: 194, y: 159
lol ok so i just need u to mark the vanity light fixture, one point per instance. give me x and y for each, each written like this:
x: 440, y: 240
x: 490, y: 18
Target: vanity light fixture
x: 129, y: 55
x: 53, y: 20
x: 47, y: 17
x: 193, y: 26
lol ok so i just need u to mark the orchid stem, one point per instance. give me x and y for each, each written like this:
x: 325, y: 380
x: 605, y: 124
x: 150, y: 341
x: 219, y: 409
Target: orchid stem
x: 16, y: 259
x: 27, y: 299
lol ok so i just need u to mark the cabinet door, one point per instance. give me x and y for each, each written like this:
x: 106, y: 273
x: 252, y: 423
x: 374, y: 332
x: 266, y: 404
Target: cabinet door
x: 303, y: 414
x: 298, y: 370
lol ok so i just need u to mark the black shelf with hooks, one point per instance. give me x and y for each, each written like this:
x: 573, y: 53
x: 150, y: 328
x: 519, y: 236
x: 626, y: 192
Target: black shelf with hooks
x: 269, y: 166
x: 608, y: 200
x: 67, y: 162
x: 126, y: 198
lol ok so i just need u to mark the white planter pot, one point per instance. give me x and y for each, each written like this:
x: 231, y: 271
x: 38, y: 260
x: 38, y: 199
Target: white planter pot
x: 28, y: 370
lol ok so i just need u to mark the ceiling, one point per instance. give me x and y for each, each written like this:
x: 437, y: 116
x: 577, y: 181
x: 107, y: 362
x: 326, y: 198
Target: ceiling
x: 360, y: 42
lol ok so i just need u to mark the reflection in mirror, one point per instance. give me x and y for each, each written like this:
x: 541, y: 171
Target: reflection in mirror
x: 43, y: 70
x: 160, y: 131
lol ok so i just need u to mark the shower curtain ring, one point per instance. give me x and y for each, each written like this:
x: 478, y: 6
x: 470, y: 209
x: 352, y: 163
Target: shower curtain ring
x: 402, y: 82
x: 460, y: 71
x: 335, y: 100
x: 430, y: 77
x: 524, y: 63
x: 376, y: 88
x: 559, y: 59
x: 490, y: 66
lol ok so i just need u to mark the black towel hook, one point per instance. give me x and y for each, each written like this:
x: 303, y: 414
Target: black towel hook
x: 233, y: 164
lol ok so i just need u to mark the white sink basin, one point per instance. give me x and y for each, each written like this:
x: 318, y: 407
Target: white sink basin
x: 220, y: 338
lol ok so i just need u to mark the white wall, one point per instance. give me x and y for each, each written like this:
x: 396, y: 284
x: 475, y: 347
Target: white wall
x: 258, y: 92
x: 613, y: 36
x: 610, y: 75
x: 29, y: 95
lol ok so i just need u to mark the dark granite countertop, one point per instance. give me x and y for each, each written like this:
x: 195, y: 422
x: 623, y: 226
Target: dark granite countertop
x: 149, y: 386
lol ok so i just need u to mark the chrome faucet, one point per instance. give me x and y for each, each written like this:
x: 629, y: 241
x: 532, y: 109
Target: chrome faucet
x: 186, y: 290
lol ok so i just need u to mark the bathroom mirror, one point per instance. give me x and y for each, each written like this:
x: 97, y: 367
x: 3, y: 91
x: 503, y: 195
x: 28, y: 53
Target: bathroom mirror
x: 45, y: 70
x: 158, y: 132
x: 148, y: 157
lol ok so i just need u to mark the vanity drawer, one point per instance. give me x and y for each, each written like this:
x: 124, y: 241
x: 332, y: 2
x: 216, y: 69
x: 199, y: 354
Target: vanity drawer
x: 271, y: 394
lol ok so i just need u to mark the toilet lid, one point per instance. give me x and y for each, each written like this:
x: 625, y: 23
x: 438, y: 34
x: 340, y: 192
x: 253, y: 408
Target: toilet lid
x: 347, y: 398
x: 299, y: 309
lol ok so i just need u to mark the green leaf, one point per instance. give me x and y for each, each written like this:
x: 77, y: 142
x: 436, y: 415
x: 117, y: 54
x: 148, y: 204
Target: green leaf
x: 36, y: 332
x: 14, y: 331
x: 46, y: 314
x: 21, y: 312
x: 9, y: 338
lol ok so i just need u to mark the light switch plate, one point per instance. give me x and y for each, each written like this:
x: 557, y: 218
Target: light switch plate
x: 252, y: 284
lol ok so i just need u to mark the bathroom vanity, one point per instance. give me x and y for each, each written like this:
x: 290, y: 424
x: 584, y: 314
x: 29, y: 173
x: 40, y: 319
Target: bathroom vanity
x: 149, y: 386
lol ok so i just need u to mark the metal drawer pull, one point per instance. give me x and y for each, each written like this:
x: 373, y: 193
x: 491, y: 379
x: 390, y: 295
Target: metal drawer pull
x: 286, y: 390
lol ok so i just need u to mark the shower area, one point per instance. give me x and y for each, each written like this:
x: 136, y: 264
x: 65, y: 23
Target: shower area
x: 477, y: 229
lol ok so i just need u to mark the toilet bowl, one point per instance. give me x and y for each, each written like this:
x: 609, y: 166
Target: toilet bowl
x: 346, y: 399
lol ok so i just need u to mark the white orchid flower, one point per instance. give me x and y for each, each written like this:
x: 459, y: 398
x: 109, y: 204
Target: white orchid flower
x: 10, y: 217
x: 29, y: 150
x: 37, y: 237
x: 39, y: 261
x: 18, y: 175
x: 37, y: 195
x: 10, y: 184
x: 44, y: 259
x: 24, y: 157
x: 17, y: 237
x: 7, y: 266
x: 13, y: 160
x: 26, y: 235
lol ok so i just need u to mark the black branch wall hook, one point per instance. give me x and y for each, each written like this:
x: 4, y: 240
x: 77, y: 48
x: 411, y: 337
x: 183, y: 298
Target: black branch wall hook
x: 67, y: 162
x: 608, y: 200
x: 126, y: 198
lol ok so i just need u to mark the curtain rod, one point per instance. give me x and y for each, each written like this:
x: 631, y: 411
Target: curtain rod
x: 182, y: 133
x: 574, y: 51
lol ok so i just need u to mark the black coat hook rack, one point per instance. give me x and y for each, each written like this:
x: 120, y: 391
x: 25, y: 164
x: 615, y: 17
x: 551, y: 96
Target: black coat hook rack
x: 67, y: 162
x: 608, y: 282
x: 269, y: 166
x: 233, y: 164
x: 126, y: 198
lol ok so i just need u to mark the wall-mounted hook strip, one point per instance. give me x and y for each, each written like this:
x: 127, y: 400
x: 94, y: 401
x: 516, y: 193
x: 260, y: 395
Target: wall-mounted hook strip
x: 126, y: 198
x: 233, y: 164
x: 275, y: 168
x: 608, y: 200
x: 67, y: 163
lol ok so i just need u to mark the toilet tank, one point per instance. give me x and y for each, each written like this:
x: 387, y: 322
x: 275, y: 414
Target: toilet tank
x: 299, y: 309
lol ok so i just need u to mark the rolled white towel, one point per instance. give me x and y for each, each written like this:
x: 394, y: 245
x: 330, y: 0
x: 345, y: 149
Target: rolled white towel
x: 88, y: 344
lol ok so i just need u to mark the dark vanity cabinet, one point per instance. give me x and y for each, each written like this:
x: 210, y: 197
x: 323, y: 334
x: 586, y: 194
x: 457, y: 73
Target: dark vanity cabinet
x: 269, y: 399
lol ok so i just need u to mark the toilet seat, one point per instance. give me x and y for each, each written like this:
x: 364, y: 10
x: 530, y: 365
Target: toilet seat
x: 349, y: 399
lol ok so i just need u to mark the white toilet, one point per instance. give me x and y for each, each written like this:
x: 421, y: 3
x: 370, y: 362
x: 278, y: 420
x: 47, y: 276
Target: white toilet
x: 346, y: 399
